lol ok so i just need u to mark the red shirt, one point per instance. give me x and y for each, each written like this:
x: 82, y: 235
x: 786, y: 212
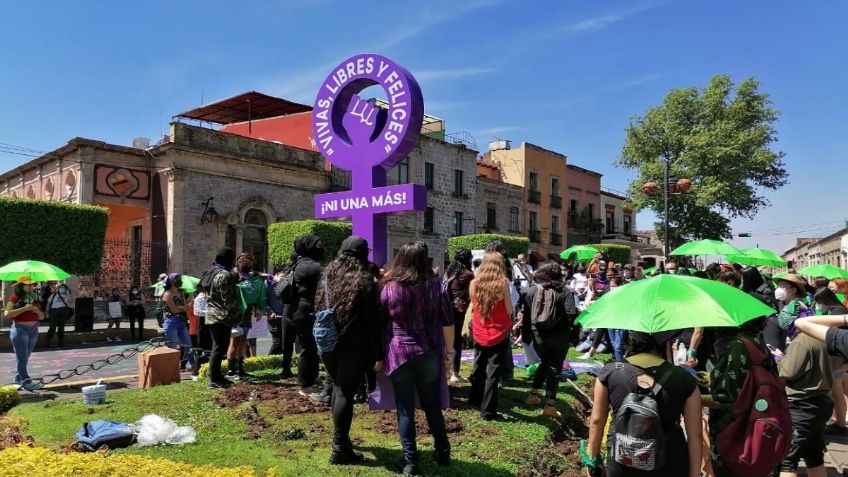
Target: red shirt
x: 27, y: 316
x: 193, y: 322
x: 495, y: 328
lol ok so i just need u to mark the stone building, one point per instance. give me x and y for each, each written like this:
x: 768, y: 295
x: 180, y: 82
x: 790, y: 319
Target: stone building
x: 500, y: 206
x: 584, y: 205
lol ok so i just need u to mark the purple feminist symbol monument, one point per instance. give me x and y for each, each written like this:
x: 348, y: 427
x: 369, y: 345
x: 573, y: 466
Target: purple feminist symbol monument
x: 368, y: 140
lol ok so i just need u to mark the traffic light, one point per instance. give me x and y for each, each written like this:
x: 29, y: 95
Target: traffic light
x: 746, y: 234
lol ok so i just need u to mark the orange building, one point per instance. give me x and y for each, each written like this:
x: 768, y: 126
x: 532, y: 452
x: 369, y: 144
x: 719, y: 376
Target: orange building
x: 543, y: 175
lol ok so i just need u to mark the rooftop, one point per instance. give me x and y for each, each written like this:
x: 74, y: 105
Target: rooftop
x: 244, y: 107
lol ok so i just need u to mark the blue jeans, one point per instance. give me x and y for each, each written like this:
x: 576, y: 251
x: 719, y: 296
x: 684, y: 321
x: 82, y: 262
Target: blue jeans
x: 618, y: 339
x: 421, y: 374
x: 23, y: 342
x: 176, y: 331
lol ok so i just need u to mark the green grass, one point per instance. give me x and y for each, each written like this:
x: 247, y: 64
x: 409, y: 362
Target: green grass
x: 481, y: 449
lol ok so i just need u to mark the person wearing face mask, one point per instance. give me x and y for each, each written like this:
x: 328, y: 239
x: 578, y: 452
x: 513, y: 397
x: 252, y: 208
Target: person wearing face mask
x: 307, y: 274
x: 176, y: 320
x: 222, y: 311
x: 252, y: 294
x: 59, y: 311
x: 135, y: 312
x: 628, y: 275
x: 808, y: 373
x: 24, y: 309
x: 580, y: 282
x: 671, y: 267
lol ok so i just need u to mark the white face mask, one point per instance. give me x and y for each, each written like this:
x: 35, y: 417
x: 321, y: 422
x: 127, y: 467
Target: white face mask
x: 780, y: 294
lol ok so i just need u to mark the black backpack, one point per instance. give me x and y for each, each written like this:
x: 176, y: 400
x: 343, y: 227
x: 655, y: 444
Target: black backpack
x: 287, y: 288
x: 640, y: 439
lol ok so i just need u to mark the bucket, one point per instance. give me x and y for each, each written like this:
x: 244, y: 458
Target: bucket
x: 94, y: 394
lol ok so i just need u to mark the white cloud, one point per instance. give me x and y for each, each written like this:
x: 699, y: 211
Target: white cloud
x: 496, y: 131
x: 603, y: 21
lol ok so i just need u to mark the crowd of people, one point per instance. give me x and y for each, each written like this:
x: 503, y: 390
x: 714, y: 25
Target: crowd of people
x: 411, y: 324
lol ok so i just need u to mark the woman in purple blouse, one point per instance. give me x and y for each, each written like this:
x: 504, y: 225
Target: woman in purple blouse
x: 416, y: 316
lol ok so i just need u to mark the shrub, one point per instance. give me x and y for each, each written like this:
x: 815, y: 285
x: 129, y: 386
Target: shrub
x: 42, y: 230
x: 9, y: 397
x: 281, y: 237
x: 616, y: 253
x: 514, y: 244
x: 254, y: 363
x: 27, y: 460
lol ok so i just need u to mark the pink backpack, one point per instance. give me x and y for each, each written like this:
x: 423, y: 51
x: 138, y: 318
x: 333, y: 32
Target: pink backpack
x: 758, y: 437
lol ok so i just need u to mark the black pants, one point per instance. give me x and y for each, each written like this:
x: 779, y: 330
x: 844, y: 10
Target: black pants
x: 809, y: 417
x: 307, y: 365
x: 220, y: 341
x: 601, y: 336
x: 58, y: 318
x: 552, y: 355
x: 283, y: 335
x: 489, y: 366
x: 135, y: 313
x: 458, y: 322
x: 345, y: 369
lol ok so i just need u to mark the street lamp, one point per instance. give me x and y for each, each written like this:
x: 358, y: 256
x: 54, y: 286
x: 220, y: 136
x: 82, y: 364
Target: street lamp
x: 672, y: 187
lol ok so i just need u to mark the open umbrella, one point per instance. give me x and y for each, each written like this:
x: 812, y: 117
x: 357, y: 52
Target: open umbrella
x: 189, y: 283
x: 649, y: 271
x: 826, y: 270
x: 672, y: 302
x: 706, y: 247
x: 757, y: 256
x: 583, y: 252
x: 35, y: 270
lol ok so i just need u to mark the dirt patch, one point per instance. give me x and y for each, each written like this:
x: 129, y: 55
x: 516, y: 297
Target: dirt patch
x: 256, y: 424
x: 284, y: 400
x: 387, y: 424
x: 560, y: 454
x: 13, y: 432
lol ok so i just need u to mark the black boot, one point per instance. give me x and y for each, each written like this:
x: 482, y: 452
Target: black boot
x: 407, y: 467
x: 345, y: 455
x: 240, y: 370
x: 232, y: 368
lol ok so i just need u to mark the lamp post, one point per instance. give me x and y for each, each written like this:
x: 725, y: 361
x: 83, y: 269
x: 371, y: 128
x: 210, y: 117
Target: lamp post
x: 671, y: 187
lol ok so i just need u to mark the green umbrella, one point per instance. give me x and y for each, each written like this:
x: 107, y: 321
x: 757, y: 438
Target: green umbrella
x: 583, y: 252
x: 757, y: 256
x: 649, y: 271
x: 189, y: 283
x: 826, y: 270
x: 35, y: 270
x: 706, y: 247
x: 672, y: 302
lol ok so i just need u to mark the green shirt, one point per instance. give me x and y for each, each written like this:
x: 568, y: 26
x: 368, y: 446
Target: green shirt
x: 806, y: 367
x: 253, y: 291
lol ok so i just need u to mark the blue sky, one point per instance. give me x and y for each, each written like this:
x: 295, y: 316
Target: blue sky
x: 566, y: 75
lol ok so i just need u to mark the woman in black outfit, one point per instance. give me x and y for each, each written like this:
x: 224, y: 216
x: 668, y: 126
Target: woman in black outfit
x: 349, y: 289
x: 135, y: 312
x: 550, y: 338
x: 307, y: 274
x: 458, y: 278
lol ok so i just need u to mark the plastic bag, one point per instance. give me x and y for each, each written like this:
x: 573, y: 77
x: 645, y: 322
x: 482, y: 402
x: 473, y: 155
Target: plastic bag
x: 154, y: 430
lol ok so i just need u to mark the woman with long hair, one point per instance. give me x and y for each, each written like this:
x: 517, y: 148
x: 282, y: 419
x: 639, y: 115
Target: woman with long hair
x: 417, y: 320
x: 458, y: 278
x: 490, y: 323
x: 24, y: 309
x: 349, y: 289
x: 176, y: 318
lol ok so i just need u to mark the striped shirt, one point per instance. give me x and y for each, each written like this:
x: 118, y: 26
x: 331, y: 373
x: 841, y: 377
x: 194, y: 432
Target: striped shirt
x: 412, y: 318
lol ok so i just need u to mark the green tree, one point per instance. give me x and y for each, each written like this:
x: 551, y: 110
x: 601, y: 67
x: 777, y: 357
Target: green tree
x: 719, y: 139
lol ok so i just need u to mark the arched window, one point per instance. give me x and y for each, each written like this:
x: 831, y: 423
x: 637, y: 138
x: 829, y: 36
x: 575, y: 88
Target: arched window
x: 30, y: 193
x: 255, y: 236
x: 49, y: 188
x: 70, y: 184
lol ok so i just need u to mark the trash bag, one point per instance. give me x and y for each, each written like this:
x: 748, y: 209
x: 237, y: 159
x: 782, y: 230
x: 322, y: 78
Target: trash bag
x: 154, y: 430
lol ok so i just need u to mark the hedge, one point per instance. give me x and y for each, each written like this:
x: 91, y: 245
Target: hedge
x: 514, y: 244
x: 26, y: 460
x: 9, y: 397
x: 69, y: 236
x: 281, y: 237
x: 254, y: 363
x: 615, y: 253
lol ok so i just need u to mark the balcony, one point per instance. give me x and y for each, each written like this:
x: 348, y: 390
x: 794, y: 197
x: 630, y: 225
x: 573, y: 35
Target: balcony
x: 556, y: 239
x: 534, y: 197
x: 556, y: 202
x: 535, y: 236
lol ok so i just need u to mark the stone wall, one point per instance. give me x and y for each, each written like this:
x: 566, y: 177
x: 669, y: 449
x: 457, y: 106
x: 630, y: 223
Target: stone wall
x: 446, y: 158
x: 504, y: 196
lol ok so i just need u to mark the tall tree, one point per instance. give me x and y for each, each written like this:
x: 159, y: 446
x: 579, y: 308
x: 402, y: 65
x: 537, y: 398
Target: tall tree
x: 719, y: 139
